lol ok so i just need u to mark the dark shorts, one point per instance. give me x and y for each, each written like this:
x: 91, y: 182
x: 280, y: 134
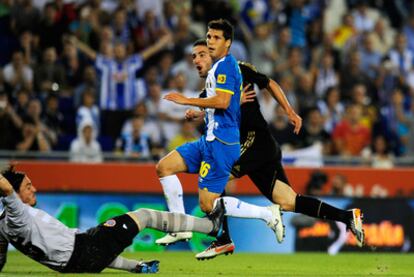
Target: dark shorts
x: 96, y: 248
x: 262, y: 166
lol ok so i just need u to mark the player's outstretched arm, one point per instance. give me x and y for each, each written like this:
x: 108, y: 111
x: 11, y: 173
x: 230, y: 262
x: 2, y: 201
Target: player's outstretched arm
x: 220, y: 101
x: 83, y: 47
x: 278, y: 94
x: 156, y: 47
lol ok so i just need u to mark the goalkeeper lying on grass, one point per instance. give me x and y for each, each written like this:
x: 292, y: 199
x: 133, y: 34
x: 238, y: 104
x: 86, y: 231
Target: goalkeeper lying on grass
x: 46, y: 240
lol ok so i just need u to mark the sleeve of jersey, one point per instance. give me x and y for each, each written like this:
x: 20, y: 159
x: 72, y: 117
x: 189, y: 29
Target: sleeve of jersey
x: 99, y: 62
x: 136, y: 62
x: 255, y: 77
x: 15, y: 211
x: 225, y: 78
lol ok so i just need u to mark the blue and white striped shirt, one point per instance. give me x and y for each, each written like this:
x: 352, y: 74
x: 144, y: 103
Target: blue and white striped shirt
x: 118, y: 88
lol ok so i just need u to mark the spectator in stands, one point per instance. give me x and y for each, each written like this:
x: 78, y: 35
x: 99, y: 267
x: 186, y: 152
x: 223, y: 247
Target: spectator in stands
x: 350, y: 136
x: 282, y: 45
x: 34, y: 112
x: 17, y: 74
x: 152, y: 127
x: 392, y: 116
x: 326, y: 75
x: 262, y: 50
x: 305, y: 93
x: 117, y: 81
x: 370, y: 58
x: 361, y: 98
x: 135, y: 144
x: 22, y: 100
x: 49, y: 30
x: 89, y: 110
x: 381, y: 156
x: 345, y: 32
x: 26, y: 16
x: 188, y: 133
x: 153, y: 102
x: 52, y: 117
x: 10, y: 124
x: 382, y: 36
x: 32, y: 138
x: 282, y: 131
x: 89, y: 83
x: 293, y: 66
x: 408, y: 31
x: 72, y: 64
x: 30, y: 48
x: 352, y: 74
x: 313, y: 132
x: 401, y: 56
x: 364, y: 17
x: 85, y: 148
x: 171, y: 114
x: 49, y: 75
x: 331, y: 109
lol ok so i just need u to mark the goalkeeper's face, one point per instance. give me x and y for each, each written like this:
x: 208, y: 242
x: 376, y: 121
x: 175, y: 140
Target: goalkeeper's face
x: 202, y: 60
x: 27, y: 192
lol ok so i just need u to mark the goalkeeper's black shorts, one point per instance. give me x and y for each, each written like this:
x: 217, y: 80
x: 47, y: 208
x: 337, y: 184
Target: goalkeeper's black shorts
x: 96, y: 248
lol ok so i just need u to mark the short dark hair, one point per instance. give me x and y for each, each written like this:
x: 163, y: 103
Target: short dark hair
x: 14, y: 177
x: 200, y: 42
x: 223, y: 25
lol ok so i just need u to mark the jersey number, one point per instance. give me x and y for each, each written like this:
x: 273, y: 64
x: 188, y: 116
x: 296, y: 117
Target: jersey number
x: 205, y: 167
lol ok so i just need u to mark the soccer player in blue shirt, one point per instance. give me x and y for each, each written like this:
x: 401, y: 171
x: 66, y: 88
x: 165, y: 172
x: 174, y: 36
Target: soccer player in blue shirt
x: 214, y: 154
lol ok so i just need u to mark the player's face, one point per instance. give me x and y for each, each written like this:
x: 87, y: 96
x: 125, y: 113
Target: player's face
x: 218, y: 46
x: 27, y: 192
x: 202, y: 60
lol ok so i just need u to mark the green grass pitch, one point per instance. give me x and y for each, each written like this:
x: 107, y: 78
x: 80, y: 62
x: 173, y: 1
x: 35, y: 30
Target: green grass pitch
x: 245, y: 264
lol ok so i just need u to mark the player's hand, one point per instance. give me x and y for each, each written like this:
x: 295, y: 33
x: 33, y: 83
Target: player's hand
x: 176, y: 98
x: 247, y: 95
x: 5, y: 187
x: 193, y: 115
x: 295, y: 120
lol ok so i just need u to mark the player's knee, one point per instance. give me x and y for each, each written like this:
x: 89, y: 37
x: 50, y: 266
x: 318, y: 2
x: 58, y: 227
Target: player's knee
x: 162, y: 169
x: 206, y: 206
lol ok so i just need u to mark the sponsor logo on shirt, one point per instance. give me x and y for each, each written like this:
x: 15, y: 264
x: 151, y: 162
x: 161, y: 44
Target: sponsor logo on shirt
x: 221, y: 79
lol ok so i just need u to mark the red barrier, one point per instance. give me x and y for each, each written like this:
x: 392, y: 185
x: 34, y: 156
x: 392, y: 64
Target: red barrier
x: 128, y: 177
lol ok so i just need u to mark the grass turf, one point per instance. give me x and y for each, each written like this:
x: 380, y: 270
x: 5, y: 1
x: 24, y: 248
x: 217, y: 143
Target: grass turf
x: 245, y: 264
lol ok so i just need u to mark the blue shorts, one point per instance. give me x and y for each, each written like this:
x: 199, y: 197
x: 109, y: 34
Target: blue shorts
x: 212, y: 160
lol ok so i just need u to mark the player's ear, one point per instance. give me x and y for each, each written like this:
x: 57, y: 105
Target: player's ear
x: 228, y: 43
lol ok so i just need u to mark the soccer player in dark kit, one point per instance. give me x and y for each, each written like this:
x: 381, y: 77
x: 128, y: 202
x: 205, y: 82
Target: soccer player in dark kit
x: 48, y: 241
x: 261, y: 157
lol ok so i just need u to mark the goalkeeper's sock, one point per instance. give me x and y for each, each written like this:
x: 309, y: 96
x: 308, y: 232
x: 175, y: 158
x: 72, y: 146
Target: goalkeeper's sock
x: 316, y: 208
x: 238, y: 208
x: 123, y: 264
x: 224, y: 237
x: 171, y: 222
x: 173, y: 192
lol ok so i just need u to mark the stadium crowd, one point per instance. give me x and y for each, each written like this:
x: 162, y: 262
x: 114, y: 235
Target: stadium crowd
x: 89, y: 76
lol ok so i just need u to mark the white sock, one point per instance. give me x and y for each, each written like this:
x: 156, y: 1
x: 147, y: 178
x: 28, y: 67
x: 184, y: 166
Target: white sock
x: 173, y: 192
x: 123, y: 264
x: 238, y: 208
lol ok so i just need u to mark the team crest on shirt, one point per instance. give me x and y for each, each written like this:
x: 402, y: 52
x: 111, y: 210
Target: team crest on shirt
x: 110, y: 223
x: 221, y: 79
